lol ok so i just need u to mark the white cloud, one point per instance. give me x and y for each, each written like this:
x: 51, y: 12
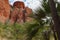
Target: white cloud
x: 58, y: 0
x: 12, y: 1
x: 30, y: 3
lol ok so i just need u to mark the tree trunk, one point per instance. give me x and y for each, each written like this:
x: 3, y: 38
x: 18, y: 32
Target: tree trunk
x: 54, y: 32
x: 47, y: 35
x: 55, y: 17
x: 55, y: 35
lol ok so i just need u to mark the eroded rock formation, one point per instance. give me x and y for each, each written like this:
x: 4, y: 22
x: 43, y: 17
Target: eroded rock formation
x: 4, y: 10
x: 28, y: 13
x: 20, y: 13
x: 16, y: 13
x: 19, y: 4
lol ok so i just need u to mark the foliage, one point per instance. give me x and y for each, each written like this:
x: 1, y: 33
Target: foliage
x: 37, y: 29
x: 20, y: 31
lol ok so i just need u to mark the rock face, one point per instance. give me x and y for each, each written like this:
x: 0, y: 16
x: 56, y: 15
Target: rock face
x: 16, y: 13
x: 28, y: 12
x: 4, y: 10
x: 19, y: 4
x: 20, y: 12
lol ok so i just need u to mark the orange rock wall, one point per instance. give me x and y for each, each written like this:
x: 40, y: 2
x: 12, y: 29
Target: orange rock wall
x: 4, y: 10
x: 22, y: 12
x: 19, y: 12
x: 19, y: 4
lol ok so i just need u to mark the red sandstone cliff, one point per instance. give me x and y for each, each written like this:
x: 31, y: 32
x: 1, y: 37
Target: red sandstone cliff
x: 4, y: 10
x: 20, y: 13
x: 28, y: 12
x: 16, y: 13
x: 19, y: 4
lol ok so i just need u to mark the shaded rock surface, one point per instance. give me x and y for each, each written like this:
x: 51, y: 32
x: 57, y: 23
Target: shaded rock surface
x: 20, y: 13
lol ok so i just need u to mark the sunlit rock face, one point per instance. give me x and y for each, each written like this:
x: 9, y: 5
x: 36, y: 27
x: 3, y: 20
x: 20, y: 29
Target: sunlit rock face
x: 13, y: 15
x: 28, y: 13
x: 20, y: 13
x: 19, y: 4
x: 4, y: 10
x: 17, y: 12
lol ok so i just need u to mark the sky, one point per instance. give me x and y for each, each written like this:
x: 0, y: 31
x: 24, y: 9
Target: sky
x: 30, y: 3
